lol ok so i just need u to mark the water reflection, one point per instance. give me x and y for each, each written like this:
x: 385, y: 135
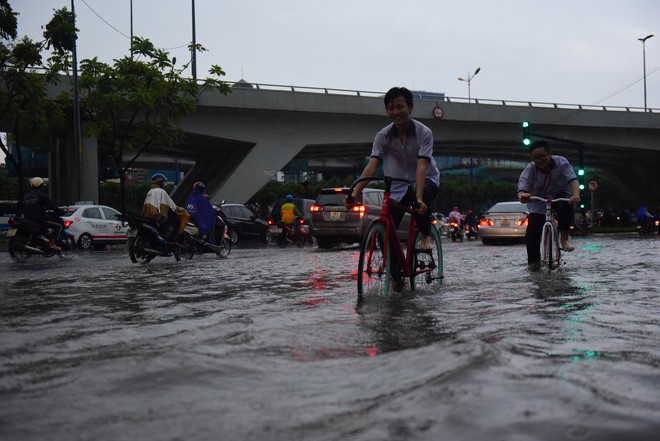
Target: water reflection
x: 398, y: 321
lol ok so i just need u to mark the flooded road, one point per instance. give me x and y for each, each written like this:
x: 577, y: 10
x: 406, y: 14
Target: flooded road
x: 271, y: 344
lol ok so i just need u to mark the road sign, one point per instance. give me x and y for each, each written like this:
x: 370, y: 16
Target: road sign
x: 592, y: 185
x: 438, y: 113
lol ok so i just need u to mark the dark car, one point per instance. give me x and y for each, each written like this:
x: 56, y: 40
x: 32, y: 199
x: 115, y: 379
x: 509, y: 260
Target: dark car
x: 243, y: 224
x: 332, y: 222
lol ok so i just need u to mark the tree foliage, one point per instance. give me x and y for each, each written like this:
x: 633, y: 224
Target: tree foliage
x: 139, y: 101
x: 25, y: 109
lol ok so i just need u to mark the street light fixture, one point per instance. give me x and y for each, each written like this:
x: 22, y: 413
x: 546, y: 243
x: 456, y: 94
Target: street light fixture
x: 469, y: 79
x: 643, y: 40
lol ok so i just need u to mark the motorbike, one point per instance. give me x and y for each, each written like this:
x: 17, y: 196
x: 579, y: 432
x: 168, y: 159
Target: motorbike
x: 25, y: 240
x: 292, y: 234
x: 145, y: 241
x: 194, y: 241
x: 471, y: 231
x: 456, y: 231
x: 651, y: 227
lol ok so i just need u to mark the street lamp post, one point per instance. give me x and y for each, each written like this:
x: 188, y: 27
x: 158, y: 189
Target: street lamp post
x: 469, y: 79
x: 643, y: 40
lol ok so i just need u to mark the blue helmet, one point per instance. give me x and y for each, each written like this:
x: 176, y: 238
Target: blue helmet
x: 158, y: 177
x: 289, y: 198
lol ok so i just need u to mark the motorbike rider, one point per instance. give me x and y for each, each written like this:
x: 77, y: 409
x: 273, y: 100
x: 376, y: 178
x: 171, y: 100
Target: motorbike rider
x: 38, y: 208
x: 159, y: 206
x: 471, y: 219
x: 202, y: 212
x: 288, y: 214
x: 643, y: 217
x: 456, y: 216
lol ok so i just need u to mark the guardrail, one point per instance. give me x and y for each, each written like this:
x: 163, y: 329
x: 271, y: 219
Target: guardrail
x: 423, y: 97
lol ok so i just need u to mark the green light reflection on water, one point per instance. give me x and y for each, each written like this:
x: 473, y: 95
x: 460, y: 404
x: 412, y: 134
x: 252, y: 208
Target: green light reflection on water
x: 592, y: 247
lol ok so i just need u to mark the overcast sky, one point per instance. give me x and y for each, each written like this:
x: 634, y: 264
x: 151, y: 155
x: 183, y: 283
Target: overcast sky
x: 562, y: 51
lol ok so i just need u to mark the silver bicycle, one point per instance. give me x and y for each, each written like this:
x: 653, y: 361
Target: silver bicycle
x: 550, y: 244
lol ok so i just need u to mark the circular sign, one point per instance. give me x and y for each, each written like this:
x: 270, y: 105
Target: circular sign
x: 592, y: 185
x: 438, y: 113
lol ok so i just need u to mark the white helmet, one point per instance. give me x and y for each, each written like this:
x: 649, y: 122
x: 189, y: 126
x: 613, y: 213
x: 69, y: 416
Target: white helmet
x: 36, y: 182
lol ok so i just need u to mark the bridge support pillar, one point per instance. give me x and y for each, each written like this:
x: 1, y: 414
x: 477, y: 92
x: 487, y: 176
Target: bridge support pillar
x: 259, y: 166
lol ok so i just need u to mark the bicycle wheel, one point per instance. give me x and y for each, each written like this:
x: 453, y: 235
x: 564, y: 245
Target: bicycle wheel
x: 374, y: 264
x: 547, y: 246
x: 426, y: 265
x: 556, y: 249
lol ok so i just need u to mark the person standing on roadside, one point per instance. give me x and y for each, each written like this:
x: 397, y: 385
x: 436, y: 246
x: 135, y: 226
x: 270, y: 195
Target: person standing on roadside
x: 547, y: 176
x: 405, y: 147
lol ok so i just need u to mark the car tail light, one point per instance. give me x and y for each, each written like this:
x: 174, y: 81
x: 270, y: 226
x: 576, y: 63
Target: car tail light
x: 271, y: 222
x: 301, y: 221
x: 522, y: 222
x: 361, y: 209
x: 486, y: 223
x: 453, y: 224
x: 434, y: 221
x: 316, y: 208
x: 657, y: 222
x: 67, y: 223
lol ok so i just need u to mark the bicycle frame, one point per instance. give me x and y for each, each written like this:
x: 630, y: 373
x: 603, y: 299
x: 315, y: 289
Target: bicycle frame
x: 550, y: 234
x: 408, y: 262
x: 388, y: 220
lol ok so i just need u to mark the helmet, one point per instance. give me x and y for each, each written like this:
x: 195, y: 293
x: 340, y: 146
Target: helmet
x: 288, y: 198
x: 199, y: 186
x: 455, y: 208
x: 36, y: 182
x: 158, y: 177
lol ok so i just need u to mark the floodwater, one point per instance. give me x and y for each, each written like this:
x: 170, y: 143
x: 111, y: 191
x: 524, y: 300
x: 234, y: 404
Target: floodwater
x: 271, y: 344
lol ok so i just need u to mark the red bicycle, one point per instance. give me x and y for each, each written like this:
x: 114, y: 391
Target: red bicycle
x: 382, y: 257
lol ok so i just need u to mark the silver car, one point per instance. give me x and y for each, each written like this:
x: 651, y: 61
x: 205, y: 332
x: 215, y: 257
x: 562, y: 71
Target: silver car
x: 504, y: 221
x: 332, y: 222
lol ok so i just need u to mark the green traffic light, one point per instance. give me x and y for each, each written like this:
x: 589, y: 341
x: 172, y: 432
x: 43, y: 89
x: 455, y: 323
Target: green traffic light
x: 581, y: 172
x: 526, y: 139
x: 581, y: 186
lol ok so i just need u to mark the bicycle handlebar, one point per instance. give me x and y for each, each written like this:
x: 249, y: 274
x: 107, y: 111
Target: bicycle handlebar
x: 387, y: 179
x: 388, y: 182
x: 536, y: 198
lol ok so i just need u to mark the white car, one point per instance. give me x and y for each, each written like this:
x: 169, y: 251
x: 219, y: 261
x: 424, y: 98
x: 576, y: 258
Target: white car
x: 94, y: 225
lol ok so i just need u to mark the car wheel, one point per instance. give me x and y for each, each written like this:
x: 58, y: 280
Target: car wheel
x: 85, y: 241
x: 323, y: 242
x: 266, y: 238
x: 233, y: 236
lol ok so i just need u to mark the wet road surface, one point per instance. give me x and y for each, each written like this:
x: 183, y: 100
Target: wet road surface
x: 271, y: 344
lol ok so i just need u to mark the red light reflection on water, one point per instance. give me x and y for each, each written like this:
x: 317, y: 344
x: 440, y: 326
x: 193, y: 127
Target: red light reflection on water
x: 372, y: 351
x: 313, y: 302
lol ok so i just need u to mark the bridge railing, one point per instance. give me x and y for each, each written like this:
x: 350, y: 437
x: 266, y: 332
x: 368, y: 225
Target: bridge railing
x: 429, y: 97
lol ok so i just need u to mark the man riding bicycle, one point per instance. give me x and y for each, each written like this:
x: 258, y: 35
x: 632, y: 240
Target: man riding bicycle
x: 547, y: 176
x: 406, y: 149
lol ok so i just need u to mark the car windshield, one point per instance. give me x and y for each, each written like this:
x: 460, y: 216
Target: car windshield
x: 508, y: 208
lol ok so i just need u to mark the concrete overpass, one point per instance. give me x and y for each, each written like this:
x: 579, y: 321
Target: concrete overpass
x: 241, y: 140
